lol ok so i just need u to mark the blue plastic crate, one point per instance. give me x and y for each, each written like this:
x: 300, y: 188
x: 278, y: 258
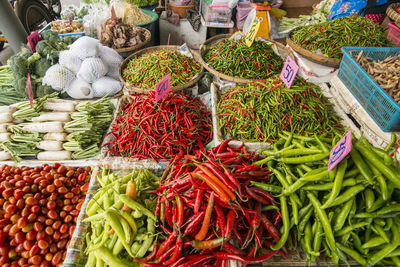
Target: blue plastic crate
x: 379, y: 104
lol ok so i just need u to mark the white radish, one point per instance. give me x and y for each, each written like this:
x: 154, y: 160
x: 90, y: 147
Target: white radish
x: 45, y: 127
x: 55, y: 137
x: 7, y: 109
x: 60, y: 106
x: 50, y: 145
x: 4, y: 137
x: 18, y: 121
x: 6, y: 117
x: 54, y: 155
x: 53, y: 116
x: 3, y: 127
x: 4, y: 155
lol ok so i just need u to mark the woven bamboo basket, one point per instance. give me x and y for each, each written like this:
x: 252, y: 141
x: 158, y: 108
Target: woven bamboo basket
x: 392, y: 14
x: 279, y: 48
x: 138, y: 46
x: 326, y: 61
x: 129, y: 87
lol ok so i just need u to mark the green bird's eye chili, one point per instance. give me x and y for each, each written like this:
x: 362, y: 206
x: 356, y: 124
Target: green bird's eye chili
x: 148, y: 69
x: 235, y: 58
x: 329, y: 37
x: 258, y: 112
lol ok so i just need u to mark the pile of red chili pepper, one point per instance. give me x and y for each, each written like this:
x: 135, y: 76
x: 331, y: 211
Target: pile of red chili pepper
x: 146, y: 128
x: 210, y: 213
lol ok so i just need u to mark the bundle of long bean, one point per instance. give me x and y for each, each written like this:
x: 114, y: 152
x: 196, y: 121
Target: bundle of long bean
x: 145, y: 128
x: 259, y: 111
x: 329, y: 37
x: 148, y: 69
x: 352, y: 210
x: 235, y: 58
x: 204, y: 201
x: 122, y: 223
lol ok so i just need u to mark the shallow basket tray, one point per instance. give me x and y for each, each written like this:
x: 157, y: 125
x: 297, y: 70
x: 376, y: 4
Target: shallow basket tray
x: 139, y: 45
x: 323, y: 60
x: 278, y: 48
x: 129, y: 87
x: 392, y: 14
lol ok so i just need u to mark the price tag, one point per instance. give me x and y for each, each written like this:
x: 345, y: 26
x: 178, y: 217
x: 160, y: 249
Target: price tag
x: 340, y: 151
x: 251, y: 34
x: 289, y: 71
x: 163, y: 87
x: 113, y: 16
x: 29, y: 88
x: 70, y: 19
x: 33, y: 39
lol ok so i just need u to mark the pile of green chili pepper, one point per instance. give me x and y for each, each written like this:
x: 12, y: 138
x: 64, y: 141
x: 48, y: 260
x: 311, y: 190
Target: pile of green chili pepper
x: 351, y: 211
x: 235, y: 58
x: 148, y: 69
x: 329, y: 37
x: 121, y: 217
x: 259, y: 111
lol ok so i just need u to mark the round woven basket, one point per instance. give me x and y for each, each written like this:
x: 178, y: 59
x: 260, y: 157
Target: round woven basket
x: 326, y: 61
x: 391, y: 13
x: 138, y: 46
x: 129, y: 87
x: 279, y: 48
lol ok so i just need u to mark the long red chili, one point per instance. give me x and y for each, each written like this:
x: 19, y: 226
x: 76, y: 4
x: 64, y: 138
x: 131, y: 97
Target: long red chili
x: 166, y: 244
x: 195, y: 222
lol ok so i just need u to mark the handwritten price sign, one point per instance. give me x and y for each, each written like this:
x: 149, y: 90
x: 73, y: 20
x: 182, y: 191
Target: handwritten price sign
x: 70, y: 18
x: 113, y: 16
x: 251, y: 34
x: 163, y: 87
x: 33, y: 39
x: 289, y: 71
x: 340, y: 151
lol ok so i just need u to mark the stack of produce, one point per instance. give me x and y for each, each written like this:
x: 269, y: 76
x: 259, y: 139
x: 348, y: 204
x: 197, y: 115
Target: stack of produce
x: 258, y: 112
x: 121, y: 217
x: 117, y: 34
x: 36, y: 64
x: 319, y: 15
x: 210, y: 213
x: 351, y: 211
x: 87, y: 128
x: 39, y: 208
x: 65, y: 27
x: 41, y: 131
x: 148, y: 69
x: 87, y: 70
x: 328, y: 38
x: 133, y: 15
x: 145, y: 128
x: 385, y: 72
x: 235, y: 58
x: 75, y: 11
x: 8, y: 95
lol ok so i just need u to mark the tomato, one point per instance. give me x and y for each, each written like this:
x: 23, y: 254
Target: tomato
x: 398, y: 10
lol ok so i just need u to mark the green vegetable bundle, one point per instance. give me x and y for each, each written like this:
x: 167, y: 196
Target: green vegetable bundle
x: 150, y: 68
x: 88, y: 127
x: 258, y: 112
x: 8, y: 95
x: 235, y: 58
x: 125, y: 205
x: 351, y: 211
x: 329, y: 37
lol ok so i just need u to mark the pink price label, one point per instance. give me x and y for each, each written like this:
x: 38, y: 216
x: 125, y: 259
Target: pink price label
x: 113, y: 16
x: 163, y: 87
x: 289, y: 71
x: 340, y: 151
x: 33, y: 39
x: 70, y: 19
x: 29, y: 88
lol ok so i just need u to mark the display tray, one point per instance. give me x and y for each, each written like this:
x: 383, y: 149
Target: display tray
x: 320, y: 59
x: 129, y: 88
x: 31, y: 161
x: 278, y: 48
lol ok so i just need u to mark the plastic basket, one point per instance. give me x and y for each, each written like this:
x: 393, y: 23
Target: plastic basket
x: 394, y: 34
x: 379, y: 105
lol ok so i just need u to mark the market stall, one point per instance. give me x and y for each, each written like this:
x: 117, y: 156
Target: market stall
x: 114, y: 153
